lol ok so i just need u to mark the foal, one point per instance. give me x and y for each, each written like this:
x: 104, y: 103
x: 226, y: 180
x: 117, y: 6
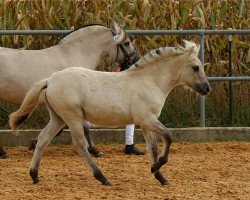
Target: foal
x: 75, y: 95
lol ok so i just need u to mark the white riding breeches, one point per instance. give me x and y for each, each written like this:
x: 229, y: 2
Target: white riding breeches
x: 129, y: 134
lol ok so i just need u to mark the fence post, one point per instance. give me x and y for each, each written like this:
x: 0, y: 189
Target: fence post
x: 230, y: 82
x: 202, y: 98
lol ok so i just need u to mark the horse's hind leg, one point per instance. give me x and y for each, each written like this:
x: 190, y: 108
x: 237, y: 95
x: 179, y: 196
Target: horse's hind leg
x: 44, y: 138
x: 77, y: 133
x: 92, y: 149
x: 3, y: 154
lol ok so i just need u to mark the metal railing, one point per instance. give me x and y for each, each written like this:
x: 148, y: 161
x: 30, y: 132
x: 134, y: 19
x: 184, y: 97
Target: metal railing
x: 199, y: 32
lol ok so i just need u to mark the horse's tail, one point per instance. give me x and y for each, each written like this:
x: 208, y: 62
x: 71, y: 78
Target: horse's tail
x: 28, y: 105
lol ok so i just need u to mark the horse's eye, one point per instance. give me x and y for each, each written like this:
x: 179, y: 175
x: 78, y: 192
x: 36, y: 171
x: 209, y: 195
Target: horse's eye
x: 196, y: 68
x: 126, y: 43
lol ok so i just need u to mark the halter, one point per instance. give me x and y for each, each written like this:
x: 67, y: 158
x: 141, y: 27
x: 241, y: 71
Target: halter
x: 127, y: 57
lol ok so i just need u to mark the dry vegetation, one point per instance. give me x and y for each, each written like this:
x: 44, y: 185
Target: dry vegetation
x: 149, y: 14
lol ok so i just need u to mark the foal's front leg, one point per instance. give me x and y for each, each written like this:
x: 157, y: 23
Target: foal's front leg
x: 153, y: 153
x: 154, y: 125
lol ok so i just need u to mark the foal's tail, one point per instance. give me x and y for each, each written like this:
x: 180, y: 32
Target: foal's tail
x: 28, y: 105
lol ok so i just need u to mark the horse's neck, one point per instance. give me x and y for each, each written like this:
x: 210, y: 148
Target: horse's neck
x: 89, y: 52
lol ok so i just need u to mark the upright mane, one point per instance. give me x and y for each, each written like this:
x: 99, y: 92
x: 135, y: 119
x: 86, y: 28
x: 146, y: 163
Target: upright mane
x: 82, y: 32
x: 166, y: 52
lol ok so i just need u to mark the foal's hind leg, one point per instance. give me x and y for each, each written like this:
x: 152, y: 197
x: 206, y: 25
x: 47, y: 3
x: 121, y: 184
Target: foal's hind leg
x: 44, y: 138
x: 77, y: 133
x: 91, y: 147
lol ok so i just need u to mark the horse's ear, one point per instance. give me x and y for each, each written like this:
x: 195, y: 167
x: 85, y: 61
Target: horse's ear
x: 120, y: 34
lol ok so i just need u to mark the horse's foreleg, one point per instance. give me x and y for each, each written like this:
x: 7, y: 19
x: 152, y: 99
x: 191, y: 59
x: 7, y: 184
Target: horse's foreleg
x: 81, y: 142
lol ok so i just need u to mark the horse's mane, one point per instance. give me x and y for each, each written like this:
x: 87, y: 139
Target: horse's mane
x: 166, y: 52
x: 82, y: 32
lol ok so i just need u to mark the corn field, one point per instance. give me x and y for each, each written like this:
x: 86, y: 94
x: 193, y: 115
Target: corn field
x: 182, y: 107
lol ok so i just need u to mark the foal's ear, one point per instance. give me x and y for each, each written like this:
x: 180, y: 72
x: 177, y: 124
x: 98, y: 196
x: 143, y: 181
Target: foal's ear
x: 191, y: 50
x: 198, y: 47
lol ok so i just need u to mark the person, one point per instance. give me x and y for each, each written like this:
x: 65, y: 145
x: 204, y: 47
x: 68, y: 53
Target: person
x: 3, y: 154
x: 130, y: 129
x: 129, y: 141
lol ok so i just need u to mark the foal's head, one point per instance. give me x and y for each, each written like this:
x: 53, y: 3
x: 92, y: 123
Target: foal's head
x: 192, y: 71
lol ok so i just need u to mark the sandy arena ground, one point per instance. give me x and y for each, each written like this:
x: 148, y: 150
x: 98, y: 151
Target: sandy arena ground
x: 196, y: 171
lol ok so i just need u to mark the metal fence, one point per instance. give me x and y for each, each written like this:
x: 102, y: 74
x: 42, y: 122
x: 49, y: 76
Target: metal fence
x: 199, y: 32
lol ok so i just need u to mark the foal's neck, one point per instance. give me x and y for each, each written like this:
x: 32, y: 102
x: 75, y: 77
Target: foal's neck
x: 165, y: 74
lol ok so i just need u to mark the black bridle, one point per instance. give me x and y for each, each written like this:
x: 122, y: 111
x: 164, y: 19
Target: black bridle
x: 127, y: 57
x: 127, y: 61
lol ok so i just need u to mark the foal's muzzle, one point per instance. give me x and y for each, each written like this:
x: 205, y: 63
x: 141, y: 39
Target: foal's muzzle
x: 204, y: 88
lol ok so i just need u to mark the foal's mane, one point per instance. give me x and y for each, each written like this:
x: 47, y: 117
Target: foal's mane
x: 166, y: 52
x: 82, y: 32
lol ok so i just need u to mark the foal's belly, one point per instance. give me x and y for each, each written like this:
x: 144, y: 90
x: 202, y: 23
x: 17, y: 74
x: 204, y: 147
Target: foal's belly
x: 108, y: 118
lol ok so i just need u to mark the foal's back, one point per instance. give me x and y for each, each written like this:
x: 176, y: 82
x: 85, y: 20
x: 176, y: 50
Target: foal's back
x: 104, y: 97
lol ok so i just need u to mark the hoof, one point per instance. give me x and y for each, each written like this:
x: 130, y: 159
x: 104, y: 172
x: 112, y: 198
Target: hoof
x: 166, y: 183
x: 107, y: 183
x: 5, y: 156
x: 95, y: 152
x: 32, y: 144
x: 35, y: 180
x: 34, y: 176
x: 153, y: 168
x: 100, y: 154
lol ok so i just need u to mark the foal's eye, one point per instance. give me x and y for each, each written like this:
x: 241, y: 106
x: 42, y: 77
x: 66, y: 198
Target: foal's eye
x: 126, y: 43
x: 196, y: 68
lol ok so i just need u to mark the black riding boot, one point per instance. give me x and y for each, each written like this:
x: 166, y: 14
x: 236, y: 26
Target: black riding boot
x: 3, y: 154
x: 130, y: 149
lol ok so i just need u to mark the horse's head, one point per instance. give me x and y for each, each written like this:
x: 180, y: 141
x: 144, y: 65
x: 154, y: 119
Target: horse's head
x: 125, y: 53
x: 192, y: 72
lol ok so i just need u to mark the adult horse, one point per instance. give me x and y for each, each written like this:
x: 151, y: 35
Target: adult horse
x: 96, y: 96
x: 85, y: 47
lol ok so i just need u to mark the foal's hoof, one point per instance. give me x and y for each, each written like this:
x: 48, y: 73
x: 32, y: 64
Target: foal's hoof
x: 154, y: 168
x: 107, y: 183
x: 34, y: 176
x: 32, y: 144
x: 166, y: 183
x: 35, y: 180
x: 95, y: 152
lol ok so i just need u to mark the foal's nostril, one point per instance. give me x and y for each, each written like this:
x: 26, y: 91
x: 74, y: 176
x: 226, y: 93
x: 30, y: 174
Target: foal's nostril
x: 207, y: 89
